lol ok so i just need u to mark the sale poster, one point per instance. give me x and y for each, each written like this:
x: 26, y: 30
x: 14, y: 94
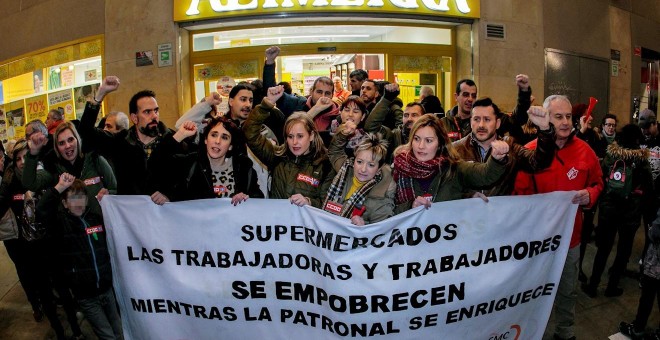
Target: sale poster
x: 62, y: 100
x: 15, y: 119
x: 36, y: 108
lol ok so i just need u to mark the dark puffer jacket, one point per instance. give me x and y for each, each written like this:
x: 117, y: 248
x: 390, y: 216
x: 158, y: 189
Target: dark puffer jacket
x: 193, y: 175
x: 84, y: 257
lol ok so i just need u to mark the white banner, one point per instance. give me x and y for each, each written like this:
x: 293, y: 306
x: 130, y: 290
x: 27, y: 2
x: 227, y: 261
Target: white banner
x: 267, y: 269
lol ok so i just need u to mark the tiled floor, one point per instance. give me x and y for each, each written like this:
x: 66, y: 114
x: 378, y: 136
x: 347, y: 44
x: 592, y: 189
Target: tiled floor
x: 596, y: 318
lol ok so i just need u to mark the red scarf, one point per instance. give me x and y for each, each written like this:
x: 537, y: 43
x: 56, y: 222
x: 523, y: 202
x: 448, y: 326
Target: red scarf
x: 53, y: 126
x: 407, y: 168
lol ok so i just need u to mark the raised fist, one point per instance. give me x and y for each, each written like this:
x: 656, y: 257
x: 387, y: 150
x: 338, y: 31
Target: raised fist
x: 275, y: 93
x: 272, y: 53
x: 347, y: 128
x: 522, y: 80
x: 214, y: 98
x: 499, y: 149
x: 539, y: 117
x: 110, y: 84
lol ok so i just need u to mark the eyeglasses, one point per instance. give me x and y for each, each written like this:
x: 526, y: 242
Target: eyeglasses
x: 609, y: 125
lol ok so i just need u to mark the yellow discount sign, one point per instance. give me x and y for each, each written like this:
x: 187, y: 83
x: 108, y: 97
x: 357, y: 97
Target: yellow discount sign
x: 36, y: 108
x: 62, y: 101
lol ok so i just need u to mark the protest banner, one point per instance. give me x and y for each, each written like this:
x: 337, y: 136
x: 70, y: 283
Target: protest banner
x: 267, y: 269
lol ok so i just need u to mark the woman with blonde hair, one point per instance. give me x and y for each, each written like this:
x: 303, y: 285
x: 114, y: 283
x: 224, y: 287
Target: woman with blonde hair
x: 363, y: 189
x: 32, y: 252
x: 427, y: 169
x: 300, y: 169
x: 90, y: 167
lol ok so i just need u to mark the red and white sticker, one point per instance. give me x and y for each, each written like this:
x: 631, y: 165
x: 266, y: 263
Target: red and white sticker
x: 428, y: 197
x: 94, y: 229
x: 333, y: 207
x: 92, y: 181
x: 19, y: 197
x: 219, y: 189
x: 454, y: 135
x: 308, y: 179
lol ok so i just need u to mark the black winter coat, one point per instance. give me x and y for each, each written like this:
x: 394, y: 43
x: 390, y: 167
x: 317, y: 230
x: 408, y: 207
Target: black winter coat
x: 193, y: 177
x: 84, y: 260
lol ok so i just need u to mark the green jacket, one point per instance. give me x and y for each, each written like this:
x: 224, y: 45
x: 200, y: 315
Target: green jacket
x: 379, y: 203
x: 375, y: 124
x: 465, y: 176
x: 290, y: 174
x: 95, y: 172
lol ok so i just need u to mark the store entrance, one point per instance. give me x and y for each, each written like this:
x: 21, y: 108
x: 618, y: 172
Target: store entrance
x: 412, y: 66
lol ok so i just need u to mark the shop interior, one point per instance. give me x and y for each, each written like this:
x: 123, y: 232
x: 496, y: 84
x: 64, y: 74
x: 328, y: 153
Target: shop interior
x: 411, y: 56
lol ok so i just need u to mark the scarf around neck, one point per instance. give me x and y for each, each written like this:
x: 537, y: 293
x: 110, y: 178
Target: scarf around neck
x: 407, y: 168
x: 336, y: 189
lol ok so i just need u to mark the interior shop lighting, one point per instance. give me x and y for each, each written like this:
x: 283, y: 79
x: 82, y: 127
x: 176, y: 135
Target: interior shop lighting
x: 86, y: 62
x: 313, y: 36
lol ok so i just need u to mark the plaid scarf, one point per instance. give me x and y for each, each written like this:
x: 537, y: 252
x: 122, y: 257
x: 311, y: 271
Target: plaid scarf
x: 407, y: 168
x: 336, y: 190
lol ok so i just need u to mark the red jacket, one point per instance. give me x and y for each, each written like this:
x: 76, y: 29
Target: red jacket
x: 574, y: 167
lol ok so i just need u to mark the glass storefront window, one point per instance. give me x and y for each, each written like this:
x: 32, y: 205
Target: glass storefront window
x: 298, y: 70
x: 61, y: 79
x: 320, y: 34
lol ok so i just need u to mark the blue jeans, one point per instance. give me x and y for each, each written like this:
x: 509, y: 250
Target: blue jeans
x: 101, y: 312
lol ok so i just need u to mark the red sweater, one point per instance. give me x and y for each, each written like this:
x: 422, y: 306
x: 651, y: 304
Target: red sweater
x: 575, y: 167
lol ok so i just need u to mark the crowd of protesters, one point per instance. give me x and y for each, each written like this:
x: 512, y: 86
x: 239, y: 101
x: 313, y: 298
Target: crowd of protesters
x: 359, y: 153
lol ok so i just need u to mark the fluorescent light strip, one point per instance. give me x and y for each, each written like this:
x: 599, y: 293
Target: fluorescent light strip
x: 314, y: 36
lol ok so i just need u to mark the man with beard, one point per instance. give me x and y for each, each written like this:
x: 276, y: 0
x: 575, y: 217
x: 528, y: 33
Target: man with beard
x: 139, y: 170
x: 457, y: 120
x: 475, y: 147
x: 369, y: 94
x: 376, y: 118
x: 240, y: 102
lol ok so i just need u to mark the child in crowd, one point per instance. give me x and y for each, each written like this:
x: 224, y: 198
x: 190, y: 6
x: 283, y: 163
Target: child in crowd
x: 84, y: 258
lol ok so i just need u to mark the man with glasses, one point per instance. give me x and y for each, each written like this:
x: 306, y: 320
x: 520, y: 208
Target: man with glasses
x: 457, y: 120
